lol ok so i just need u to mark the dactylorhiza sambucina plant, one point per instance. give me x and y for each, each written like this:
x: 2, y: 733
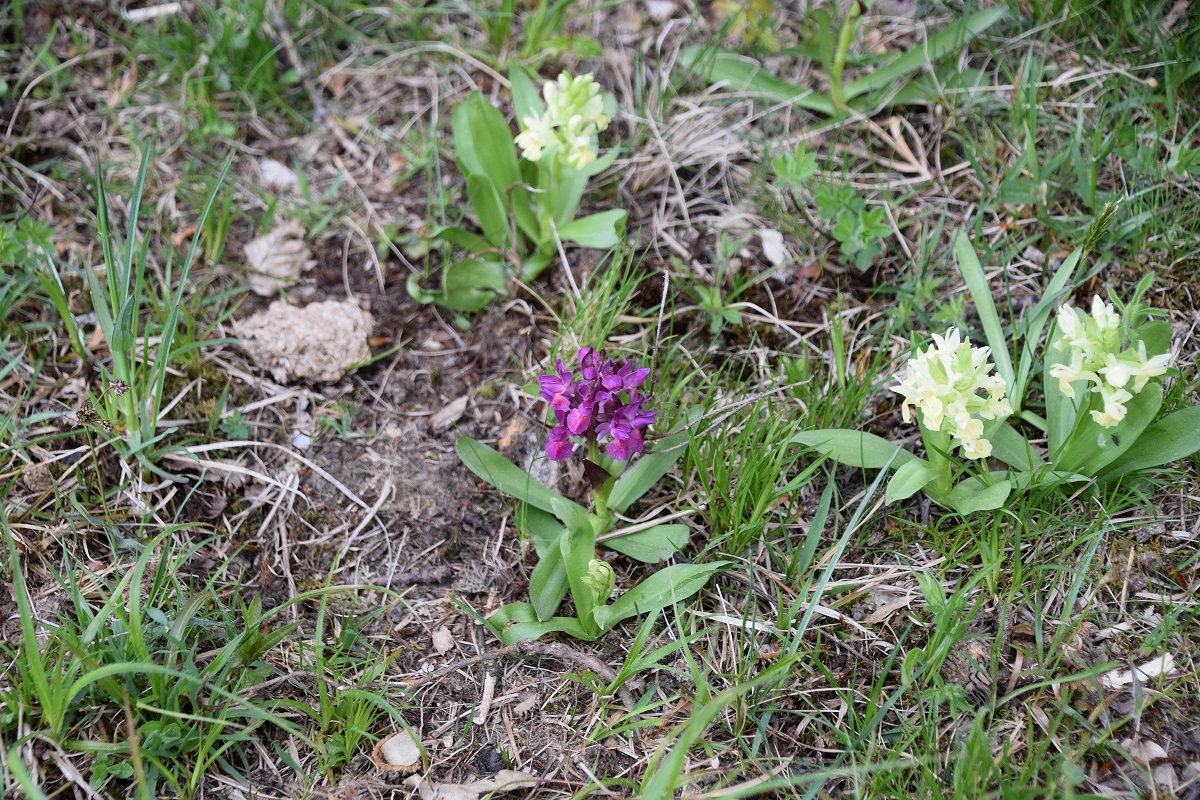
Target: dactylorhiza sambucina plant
x: 601, y: 410
x: 1101, y: 388
x: 573, y: 118
x: 954, y: 390
x: 525, y: 206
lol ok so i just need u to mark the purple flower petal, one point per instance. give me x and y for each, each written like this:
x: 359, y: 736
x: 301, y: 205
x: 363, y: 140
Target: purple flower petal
x: 579, y: 420
x: 558, y: 444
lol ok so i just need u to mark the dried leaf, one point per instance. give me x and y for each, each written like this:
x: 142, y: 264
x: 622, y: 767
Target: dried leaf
x: 772, y: 246
x: 278, y: 259
x: 276, y: 176
x: 506, y: 780
x: 449, y: 414
x: 443, y: 640
x: 1151, y: 669
x: 400, y: 752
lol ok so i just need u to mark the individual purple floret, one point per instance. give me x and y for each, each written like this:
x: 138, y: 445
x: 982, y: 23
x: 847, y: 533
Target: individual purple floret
x: 601, y: 404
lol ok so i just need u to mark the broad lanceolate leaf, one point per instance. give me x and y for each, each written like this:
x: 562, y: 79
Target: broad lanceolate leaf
x: 651, y: 466
x: 1012, y: 448
x: 483, y: 143
x: 909, y: 479
x: 651, y: 545
x: 472, y: 283
x: 462, y: 238
x: 1061, y: 411
x: 603, y: 230
x: 855, y: 448
x: 548, y: 584
x: 1091, y: 448
x: 578, y: 547
x: 526, y: 102
x: 1156, y: 335
x: 541, y: 526
x: 971, y: 495
x: 665, y: 587
x: 518, y: 622
x: 508, y: 477
x: 1170, y: 439
x: 489, y: 209
x: 1035, y: 323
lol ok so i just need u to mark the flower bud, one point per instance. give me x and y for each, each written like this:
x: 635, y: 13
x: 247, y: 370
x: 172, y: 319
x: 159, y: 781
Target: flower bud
x: 600, y: 579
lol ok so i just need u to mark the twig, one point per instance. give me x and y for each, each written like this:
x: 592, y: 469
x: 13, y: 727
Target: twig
x: 561, y: 652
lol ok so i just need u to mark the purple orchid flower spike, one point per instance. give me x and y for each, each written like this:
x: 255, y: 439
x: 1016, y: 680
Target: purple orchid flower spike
x: 600, y: 405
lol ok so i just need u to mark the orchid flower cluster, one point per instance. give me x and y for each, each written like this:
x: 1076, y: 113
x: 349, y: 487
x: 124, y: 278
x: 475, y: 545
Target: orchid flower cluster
x: 944, y: 382
x: 602, y: 404
x: 573, y: 117
x: 1094, y: 345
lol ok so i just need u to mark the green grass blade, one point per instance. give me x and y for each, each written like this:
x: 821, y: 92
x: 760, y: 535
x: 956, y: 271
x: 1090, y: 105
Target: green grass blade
x: 981, y: 293
x: 933, y: 49
x: 747, y: 75
x: 135, y: 209
x: 1038, y: 317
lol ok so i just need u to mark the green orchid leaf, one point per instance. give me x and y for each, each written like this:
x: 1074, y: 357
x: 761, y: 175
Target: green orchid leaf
x: 910, y: 478
x: 1010, y: 446
x: 578, y: 548
x: 542, y: 527
x: 1061, y: 411
x: 652, y: 465
x: 854, y: 448
x: 1092, y: 447
x: 1171, y: 438
x: 549, y: 583
x: 651, y: 545
x: 462, y: 238
x: 536, y: 263
x: 483, y: 143
x: 604, y: 230
x: 971, y: 495
x: 981, y: 293
x: 1156, y: 335
x: 518, y: 622
x: 511, y: 479
x: 522, y: 211
x: 526, y: 100
x: 489, y: 210
x: 664, y: 588
x: 1035, y: 322
x: 470, y: 284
